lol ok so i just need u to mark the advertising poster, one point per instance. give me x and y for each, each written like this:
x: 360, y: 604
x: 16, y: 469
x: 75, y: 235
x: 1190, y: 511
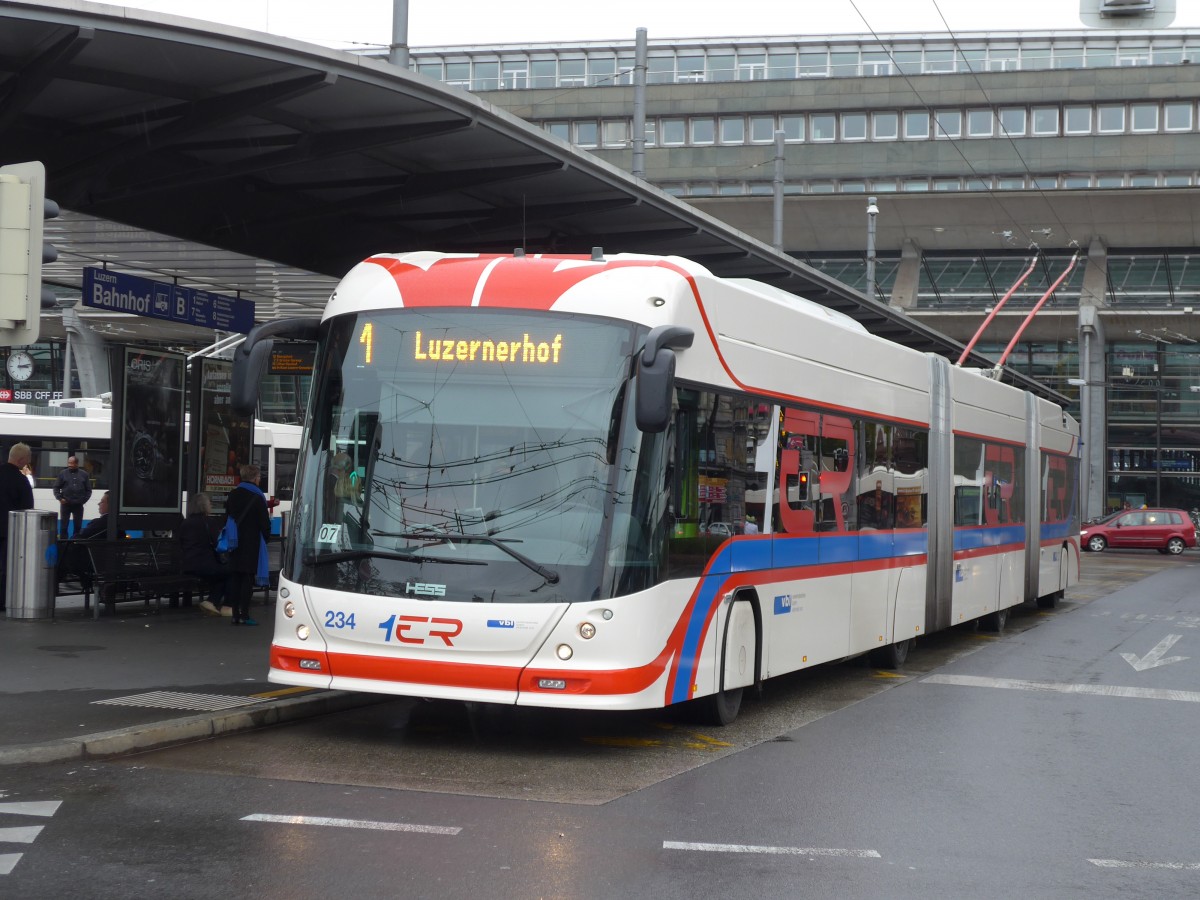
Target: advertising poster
x: 151, y: 425
x: 223, y: 440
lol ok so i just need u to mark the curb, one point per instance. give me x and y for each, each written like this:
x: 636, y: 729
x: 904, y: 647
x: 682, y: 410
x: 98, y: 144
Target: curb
x: 185, y: 730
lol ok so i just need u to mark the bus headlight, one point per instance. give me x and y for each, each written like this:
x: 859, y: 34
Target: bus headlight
x: 564, y: 651
x: 587, y: 631
x: 289, y: 609
x: 302, y: 632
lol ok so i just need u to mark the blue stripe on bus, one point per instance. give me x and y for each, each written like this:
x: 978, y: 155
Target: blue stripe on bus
x: 689, y: 653
x: 995, y: 536
x: 1056, y: 531
x: 781, y: 551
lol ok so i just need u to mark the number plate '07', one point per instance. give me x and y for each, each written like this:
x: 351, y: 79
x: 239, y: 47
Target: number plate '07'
x: 329, y: 534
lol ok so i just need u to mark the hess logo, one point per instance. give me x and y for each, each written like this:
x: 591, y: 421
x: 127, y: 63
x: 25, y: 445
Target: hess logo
x: 409, y: 632
x: 421, y: 589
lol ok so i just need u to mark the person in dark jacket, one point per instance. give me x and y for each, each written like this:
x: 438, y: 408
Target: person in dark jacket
x: 72, y: 489
x: 247, y: 507
x: 198, y: 553
x: 75, y: 559
x: 15, y: 493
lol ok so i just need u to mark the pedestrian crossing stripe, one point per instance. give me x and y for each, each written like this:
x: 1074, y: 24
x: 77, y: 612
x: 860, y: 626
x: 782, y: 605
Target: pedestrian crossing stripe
x: 178, y: 700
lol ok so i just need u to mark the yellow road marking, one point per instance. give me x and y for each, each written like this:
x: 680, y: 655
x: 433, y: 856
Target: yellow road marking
x: 283, y: 692
x: 623, y: 742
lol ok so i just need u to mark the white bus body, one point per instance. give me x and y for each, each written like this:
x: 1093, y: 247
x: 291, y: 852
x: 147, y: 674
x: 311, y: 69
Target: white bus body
x: 513, y: 536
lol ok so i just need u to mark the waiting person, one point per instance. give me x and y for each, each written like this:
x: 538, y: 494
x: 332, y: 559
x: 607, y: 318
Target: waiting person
x: 97, y: 527
x: 247, y: 506
x: 751, y: 526
x: 72, y: 490
x: 76, y: 559
x: 198, y: 554
x: 15, y: 494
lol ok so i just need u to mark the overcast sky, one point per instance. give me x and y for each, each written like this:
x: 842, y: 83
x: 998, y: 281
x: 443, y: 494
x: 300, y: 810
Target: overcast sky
x: 438, y: 23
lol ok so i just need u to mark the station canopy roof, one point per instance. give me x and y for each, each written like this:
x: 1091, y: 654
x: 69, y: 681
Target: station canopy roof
x: 240, y: 161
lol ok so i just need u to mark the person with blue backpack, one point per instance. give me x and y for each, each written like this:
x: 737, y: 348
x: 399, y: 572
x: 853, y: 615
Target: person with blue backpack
x: 247, y: 525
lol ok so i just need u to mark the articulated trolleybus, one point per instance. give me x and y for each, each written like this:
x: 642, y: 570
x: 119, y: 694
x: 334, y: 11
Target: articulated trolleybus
x: 511, y: 465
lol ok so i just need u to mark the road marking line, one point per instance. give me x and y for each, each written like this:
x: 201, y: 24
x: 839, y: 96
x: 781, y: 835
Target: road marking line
x: 37, y: 808
x: 352, y: 823
x: 8, y: 862
x: 25, y: 834
x: 1125, y: 864
x: 1100, y: 690
x: 786, y: 851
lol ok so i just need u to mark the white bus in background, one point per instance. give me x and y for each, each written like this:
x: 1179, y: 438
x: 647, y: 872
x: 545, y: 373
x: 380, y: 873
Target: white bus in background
x: 512, y: 466
x: 83, y: 428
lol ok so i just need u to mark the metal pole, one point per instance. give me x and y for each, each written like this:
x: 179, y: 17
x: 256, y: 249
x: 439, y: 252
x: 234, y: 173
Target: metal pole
x: 1085, y: 419
x: 398, y: 51
x: 872, y: 212
x: 66, y: 387
x: 639, y: 105
x: 777, y: 206
x: 1158, y: 392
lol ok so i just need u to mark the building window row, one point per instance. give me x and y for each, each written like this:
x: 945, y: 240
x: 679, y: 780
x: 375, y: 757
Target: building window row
x: 920, y: 184
x: 731, y: 61
x: 1049, y: 120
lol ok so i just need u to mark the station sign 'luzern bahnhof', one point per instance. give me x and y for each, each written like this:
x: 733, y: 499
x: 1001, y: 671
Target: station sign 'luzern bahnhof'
x: 118, y: 292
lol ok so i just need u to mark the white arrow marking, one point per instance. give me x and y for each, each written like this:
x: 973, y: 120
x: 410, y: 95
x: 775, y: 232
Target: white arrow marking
x: 1155, y: 656
x: 8, y: 862
x: 25, y: 835
x: 45, y: 808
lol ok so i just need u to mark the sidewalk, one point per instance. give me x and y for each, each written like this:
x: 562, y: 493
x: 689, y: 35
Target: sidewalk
x: 66, y: 683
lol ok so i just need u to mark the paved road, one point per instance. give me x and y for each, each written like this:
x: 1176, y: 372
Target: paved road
x: 1049, y: 762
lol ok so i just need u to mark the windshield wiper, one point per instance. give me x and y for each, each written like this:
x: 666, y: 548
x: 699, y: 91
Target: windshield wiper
x: 313, y: 559
x: 434, y: 538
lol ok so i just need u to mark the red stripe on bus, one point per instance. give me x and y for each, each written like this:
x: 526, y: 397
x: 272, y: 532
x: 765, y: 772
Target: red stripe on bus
x: 975, y: 552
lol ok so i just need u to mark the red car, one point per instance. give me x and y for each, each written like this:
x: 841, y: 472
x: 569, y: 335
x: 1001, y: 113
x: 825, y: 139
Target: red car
x: 1165, y: 530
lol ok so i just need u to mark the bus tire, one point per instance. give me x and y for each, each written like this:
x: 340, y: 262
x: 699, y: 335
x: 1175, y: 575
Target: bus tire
x: 994, y: 621
x: 892, y: 656
x: 1050, y: 600
x: 720, y: 708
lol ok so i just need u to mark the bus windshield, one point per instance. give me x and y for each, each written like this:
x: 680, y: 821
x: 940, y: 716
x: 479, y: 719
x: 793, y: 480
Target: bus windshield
x: 467, y: 455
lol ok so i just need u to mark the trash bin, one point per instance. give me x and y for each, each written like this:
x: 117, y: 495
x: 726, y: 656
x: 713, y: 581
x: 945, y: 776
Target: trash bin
x: 32, y: 564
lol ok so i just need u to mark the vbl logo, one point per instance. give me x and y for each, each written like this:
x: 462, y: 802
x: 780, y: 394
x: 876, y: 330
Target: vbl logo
x: 446, y: 629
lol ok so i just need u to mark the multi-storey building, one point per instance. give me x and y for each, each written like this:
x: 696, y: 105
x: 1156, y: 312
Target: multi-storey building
x: 986, y: 154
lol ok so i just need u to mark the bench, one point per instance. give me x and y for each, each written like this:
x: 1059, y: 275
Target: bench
x: 132, y: 569
x: 124, y: 570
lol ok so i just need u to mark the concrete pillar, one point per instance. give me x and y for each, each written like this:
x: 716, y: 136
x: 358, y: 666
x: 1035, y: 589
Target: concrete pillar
x: 908, y: 276
x: 90, y: 355
x: 1093, y: 297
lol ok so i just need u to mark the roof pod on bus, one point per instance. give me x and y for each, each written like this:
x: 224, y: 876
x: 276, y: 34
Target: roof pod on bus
x: 250, y: 358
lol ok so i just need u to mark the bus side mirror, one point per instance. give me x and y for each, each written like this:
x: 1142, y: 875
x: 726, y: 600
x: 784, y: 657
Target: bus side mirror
x: 250, y: 358
x: 656, y: 376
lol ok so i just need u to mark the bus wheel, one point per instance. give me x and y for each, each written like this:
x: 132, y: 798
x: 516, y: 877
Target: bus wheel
x: 1050, y: 600
x: 892, y: 656
x: 994, y: 621
x: 720, y: 708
